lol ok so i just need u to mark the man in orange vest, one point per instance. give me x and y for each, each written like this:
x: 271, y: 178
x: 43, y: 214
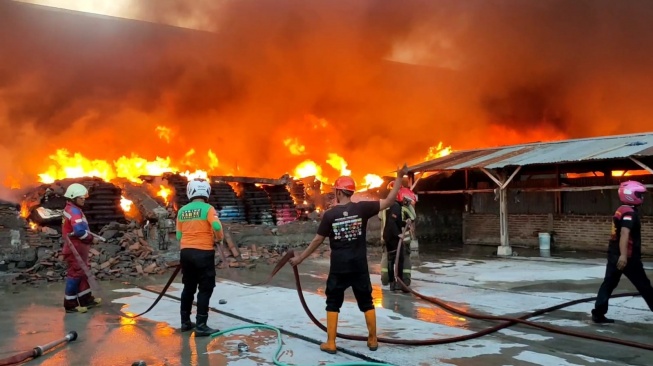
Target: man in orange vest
x: 198, y: 227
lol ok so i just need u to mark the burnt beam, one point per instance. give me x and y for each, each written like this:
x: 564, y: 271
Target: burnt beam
x: 148, y: 207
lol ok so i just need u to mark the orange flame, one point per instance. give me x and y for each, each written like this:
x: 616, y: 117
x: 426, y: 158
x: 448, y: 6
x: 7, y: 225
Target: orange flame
x: 24, y: 210
x: 125, y: 204
x: 338, y: 163
x: 74, y: 165
x: 294, y: 146
x: 164, y: 133
x: 308, y: 168
x: 165, y: 193
x: 437, y: 152
x: 372, y: 181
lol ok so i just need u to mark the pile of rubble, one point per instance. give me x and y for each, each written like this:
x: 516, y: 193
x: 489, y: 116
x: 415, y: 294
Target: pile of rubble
x: 125, y: 254
x: 248, y: 257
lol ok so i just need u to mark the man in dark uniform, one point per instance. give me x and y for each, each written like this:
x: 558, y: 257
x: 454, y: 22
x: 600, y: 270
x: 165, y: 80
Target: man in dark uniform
x: 345, y: 224
x: 392, y: 232
x: 625, y: 251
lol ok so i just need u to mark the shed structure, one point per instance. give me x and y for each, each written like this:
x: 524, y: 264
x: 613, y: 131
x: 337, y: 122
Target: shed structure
x: 552, y: 163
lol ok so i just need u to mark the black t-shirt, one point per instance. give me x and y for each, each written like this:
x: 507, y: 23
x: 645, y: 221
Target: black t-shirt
x: 626, y: 216
x: 393, y: 226
x: 346, y: 228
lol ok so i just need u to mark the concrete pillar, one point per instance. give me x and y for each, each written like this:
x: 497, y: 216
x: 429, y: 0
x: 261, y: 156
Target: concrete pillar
x: 504, y: 248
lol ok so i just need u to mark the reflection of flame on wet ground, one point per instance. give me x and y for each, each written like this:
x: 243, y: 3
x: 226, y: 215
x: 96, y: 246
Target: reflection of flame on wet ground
x: 127, y: 321
x: 377, y: 296
x: 437, y: 315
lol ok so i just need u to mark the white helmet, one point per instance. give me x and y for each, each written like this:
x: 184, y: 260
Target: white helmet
x: 76, y: 190
x: 198, y: 188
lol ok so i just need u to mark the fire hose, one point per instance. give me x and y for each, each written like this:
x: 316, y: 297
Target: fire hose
x: 506, y: 321
x: 38, y: 350
x: 95, y: 286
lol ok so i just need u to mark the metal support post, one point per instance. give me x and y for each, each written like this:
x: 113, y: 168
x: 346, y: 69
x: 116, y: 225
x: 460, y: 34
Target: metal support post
x: 504, y: 249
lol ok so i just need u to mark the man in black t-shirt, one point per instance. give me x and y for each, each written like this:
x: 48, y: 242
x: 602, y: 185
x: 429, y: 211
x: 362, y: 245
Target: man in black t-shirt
x: 345, y: 224
x: 624, y: 251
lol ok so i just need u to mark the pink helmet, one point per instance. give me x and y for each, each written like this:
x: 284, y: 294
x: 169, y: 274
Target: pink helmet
x: 631, y: 193
x: 406, y: 194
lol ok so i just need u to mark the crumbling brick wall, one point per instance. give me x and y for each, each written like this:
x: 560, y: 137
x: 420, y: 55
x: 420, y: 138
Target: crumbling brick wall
x: 578, y: 232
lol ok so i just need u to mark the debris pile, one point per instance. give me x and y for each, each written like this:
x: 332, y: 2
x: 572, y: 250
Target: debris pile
x: 248, y: 257
x: 125, y: 254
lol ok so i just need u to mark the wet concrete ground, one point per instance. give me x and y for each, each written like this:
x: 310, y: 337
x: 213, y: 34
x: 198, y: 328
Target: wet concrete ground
x: 472, y: 281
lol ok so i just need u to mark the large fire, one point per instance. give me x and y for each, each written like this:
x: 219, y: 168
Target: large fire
x: 350, y: 96
x: 64, y: 164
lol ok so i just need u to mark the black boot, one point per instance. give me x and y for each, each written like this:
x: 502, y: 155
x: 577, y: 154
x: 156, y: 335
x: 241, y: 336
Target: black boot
x: 600, y: 318
x: 203, y: 330
x: 186, y: 324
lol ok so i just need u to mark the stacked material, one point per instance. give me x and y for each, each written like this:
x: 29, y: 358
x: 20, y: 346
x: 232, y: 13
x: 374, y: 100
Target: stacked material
x: 224, y: 199
x: 179, y: 183
x: 46, y: 203
x: 283, y: 206
x: 298, y: 192
x: 258, y: 207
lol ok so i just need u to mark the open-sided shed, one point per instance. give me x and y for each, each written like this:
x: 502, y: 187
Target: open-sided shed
x: 556, y: 160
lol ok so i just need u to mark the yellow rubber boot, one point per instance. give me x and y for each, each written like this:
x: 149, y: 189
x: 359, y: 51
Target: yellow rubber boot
x: 370, y: 319
x: 332, y: 328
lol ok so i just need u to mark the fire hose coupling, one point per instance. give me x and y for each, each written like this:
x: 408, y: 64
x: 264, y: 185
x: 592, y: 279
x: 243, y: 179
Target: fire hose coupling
x: 40, y: 350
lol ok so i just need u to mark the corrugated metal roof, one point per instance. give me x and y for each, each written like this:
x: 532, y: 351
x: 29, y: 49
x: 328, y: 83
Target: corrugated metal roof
x: 600, y: 148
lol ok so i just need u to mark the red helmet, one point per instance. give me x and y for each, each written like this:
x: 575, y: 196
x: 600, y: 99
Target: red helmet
x: 345, y: 183
x: 406, y: 194
x: 631, y: 193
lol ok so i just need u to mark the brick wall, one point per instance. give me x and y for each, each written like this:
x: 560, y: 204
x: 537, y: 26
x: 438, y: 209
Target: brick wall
x: 578, y: 232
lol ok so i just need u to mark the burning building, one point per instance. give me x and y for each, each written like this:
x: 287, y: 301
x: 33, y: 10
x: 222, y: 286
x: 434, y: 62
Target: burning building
x: 312, y: 90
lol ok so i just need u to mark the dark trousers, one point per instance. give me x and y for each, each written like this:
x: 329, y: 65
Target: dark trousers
x: 634, y: 271
x: 198, y: 270
x: 391, y: 266
x: 336, y: 285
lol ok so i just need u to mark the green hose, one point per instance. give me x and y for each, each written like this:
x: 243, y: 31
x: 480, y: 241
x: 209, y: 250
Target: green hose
x: 276, y: 354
